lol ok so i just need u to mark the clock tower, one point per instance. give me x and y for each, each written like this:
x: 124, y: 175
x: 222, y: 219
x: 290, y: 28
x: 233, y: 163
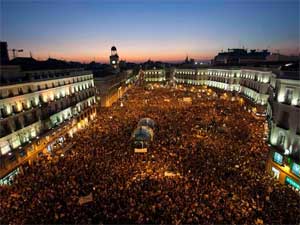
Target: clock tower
x: 114, y: 58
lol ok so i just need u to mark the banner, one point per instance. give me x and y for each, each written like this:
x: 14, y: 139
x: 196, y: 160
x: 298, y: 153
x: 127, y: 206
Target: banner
x: 140, y: 150
x: 171, y: 174
x: 187, y: 99
x: 86, y: 199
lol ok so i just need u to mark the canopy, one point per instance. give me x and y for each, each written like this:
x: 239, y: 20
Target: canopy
x: 143, y: 133
x: 147, y: 122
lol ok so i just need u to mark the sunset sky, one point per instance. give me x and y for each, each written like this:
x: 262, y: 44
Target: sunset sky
x: 161, y: 30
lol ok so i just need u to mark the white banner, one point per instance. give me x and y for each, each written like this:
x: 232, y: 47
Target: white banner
x: 140, y: 150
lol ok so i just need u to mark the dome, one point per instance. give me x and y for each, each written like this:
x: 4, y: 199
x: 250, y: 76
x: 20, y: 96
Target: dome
x: 113, y: 48
x: 147, y: 122
x: 142, y: 133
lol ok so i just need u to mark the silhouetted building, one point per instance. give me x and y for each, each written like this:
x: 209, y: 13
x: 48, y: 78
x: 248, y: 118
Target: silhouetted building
x: 276, y: 57
x: 4, y: 59
x: 29, y: 63
x: 240, y: 56
x: 114, y: 58
x: 188, y: 61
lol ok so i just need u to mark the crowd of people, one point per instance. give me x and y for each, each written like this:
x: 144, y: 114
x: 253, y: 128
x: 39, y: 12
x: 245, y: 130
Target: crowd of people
x: 213, y: 147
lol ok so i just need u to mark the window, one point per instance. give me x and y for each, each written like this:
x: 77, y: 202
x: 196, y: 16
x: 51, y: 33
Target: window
x: 15, y: 108
x: 288, y: 95
x: 4, y: 129
x: 284, y: 120
x: 281, y: 140
x: 2, y: 113
x: 18, y: 124
x: 20, y: 91
x: 10, y: 93
x: 24, y: 106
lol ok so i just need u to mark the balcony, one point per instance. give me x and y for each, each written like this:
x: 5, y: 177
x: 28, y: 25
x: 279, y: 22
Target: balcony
x: 283, y: 125
x: 68, y: 102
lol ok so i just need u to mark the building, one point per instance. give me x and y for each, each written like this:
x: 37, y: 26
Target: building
x: 155, y: 75
x: 276, y: 57
x: 240, y: 56
x: 273, y: 94
x: 284, y: 136
x: 112, y: 87
x: 114, y: 58
x: 45, y: 107
x: 4, y: 59
x: 253, y: 84
x: 111, y: 83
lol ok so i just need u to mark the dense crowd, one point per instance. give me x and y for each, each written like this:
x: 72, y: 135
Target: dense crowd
x: 212, y: 145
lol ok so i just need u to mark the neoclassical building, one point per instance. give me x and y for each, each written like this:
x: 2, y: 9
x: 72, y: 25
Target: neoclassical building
x: 155, y: 75
x: 39, y: 109
x: 252, y: 84
x: 275, y: 95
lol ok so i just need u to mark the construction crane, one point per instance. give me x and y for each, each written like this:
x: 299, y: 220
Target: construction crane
x: 14, y: 51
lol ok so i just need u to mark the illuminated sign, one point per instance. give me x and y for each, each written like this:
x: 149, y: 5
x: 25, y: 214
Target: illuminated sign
x: 296, y: 169
x: 171, y: 174
x: 293, y: 183
x: 140, y: 150
x: 276, y: 173
x: 278, y: 158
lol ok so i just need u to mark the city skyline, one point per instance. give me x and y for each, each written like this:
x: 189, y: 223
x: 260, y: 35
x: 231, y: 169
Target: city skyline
x: 142, y: 30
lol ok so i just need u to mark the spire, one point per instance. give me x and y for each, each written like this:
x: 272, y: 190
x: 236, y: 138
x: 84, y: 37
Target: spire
x: 187, y: 59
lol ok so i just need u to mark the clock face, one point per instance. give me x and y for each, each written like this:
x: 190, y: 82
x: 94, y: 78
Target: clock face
x: 113, y: 62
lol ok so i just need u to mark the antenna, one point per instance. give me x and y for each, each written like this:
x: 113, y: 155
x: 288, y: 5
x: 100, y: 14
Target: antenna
x: 30, y: 54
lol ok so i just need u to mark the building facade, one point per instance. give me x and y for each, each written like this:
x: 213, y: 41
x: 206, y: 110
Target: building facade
x: 32, y: 110
x: 252, y: 84
x: 155, y: 75
x: 285, y: 132
x: 111, y: 88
